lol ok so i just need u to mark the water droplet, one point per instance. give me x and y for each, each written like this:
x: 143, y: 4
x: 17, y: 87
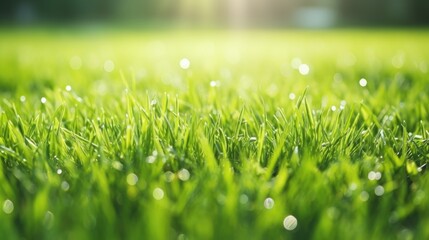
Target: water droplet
x: 268, y: 203
x: 48, y: 221
x: 338, y: 77
x: 158, y: 193
x: 363, y: 82
x: 65, y: 186
x: 398, y: 60
x: 253, y: 139
x: 22, y: 98
x: 244, y: 199
x: 43, y: 100
x: 333, y: 108
x: 169, y: 176
x: 68, y: 88
x: 377, y: 176
x: 292, y: 96
x: 296, y: 62
x: 304, y: 69
x: 150, y: 159
x: 181, y: 237
x: 290, y: 223
x: 371, y: 175
x: 343, y: 104
x: 184, y: 174
x: 59, y: 171
x: 214, y: 83
x: 185, y: 63
x: 132, y: 179
x: 364, y: 196
x: 117, y: 165
x: 374, y: 175
x: 8, y: 206
x: 333, y: 212
x: 109, y: 66
x: 379, y: 190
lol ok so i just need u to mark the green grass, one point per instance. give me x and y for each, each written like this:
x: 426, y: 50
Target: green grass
x: 152, y: 151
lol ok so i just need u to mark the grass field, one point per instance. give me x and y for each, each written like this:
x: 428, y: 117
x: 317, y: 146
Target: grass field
x: 214, y: 135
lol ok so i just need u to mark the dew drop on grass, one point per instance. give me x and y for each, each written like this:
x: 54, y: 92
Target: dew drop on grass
x: 268, y: 203
x: 158, y: 194
x: 296, y: 62
x: 132, y: 179
x: 117, y: 165
x: 184, y: 63
x: 333, y: 108
x: 290, y: 222
x: 68, y: 88
x: 337, y: 77
x: 169, y: 176
x: 379, y: 190
x: 371, y: 175
x: 150, y: 159
x: 48, y: 221
x: 377, y: 176
x: 184, y: 174
x: 244, y: 199
x: 181, y: 237
x: 364, y: 196
x: 59, y: 171
x: 333, y: 213
x: 253, y: 139
x: 65, y: 186
x: 214, y: 84
x: 292, y: 96
x: 398, y: 60
x: 363, y: 82
x: 109, y: 66
x: 304, y: 69
x: 43, y: 100
x: 8, y: 206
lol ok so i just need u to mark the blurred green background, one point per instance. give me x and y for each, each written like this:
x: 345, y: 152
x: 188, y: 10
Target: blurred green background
x: 220, y: 13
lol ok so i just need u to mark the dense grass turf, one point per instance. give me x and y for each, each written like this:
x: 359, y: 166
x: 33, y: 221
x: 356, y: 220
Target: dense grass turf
x: 112, y: 135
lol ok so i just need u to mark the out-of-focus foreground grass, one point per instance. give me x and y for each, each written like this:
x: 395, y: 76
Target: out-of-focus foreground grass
x: 213, y: 135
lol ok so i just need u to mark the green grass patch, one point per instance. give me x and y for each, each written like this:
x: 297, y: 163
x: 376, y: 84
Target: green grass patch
x: 214, y: 135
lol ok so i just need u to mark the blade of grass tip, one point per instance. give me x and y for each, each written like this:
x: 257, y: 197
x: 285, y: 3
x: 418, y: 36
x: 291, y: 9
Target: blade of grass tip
x: 261, y: 141
x: 240, y: 119
x: 209, y: 156
x: 404, y: 143
x: 275, y: 156
x: 301, y: 98
x: 369, y: 116
x: 424, y: 132
x: 309, y: 113
x: 124, y: 80
x: 133, y: 80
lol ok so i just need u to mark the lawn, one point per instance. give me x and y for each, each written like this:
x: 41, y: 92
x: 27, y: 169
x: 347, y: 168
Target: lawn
x: 280, y: 134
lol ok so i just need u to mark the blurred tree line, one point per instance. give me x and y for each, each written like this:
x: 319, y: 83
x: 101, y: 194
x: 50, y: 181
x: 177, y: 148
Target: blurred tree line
x: 220, y: 12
